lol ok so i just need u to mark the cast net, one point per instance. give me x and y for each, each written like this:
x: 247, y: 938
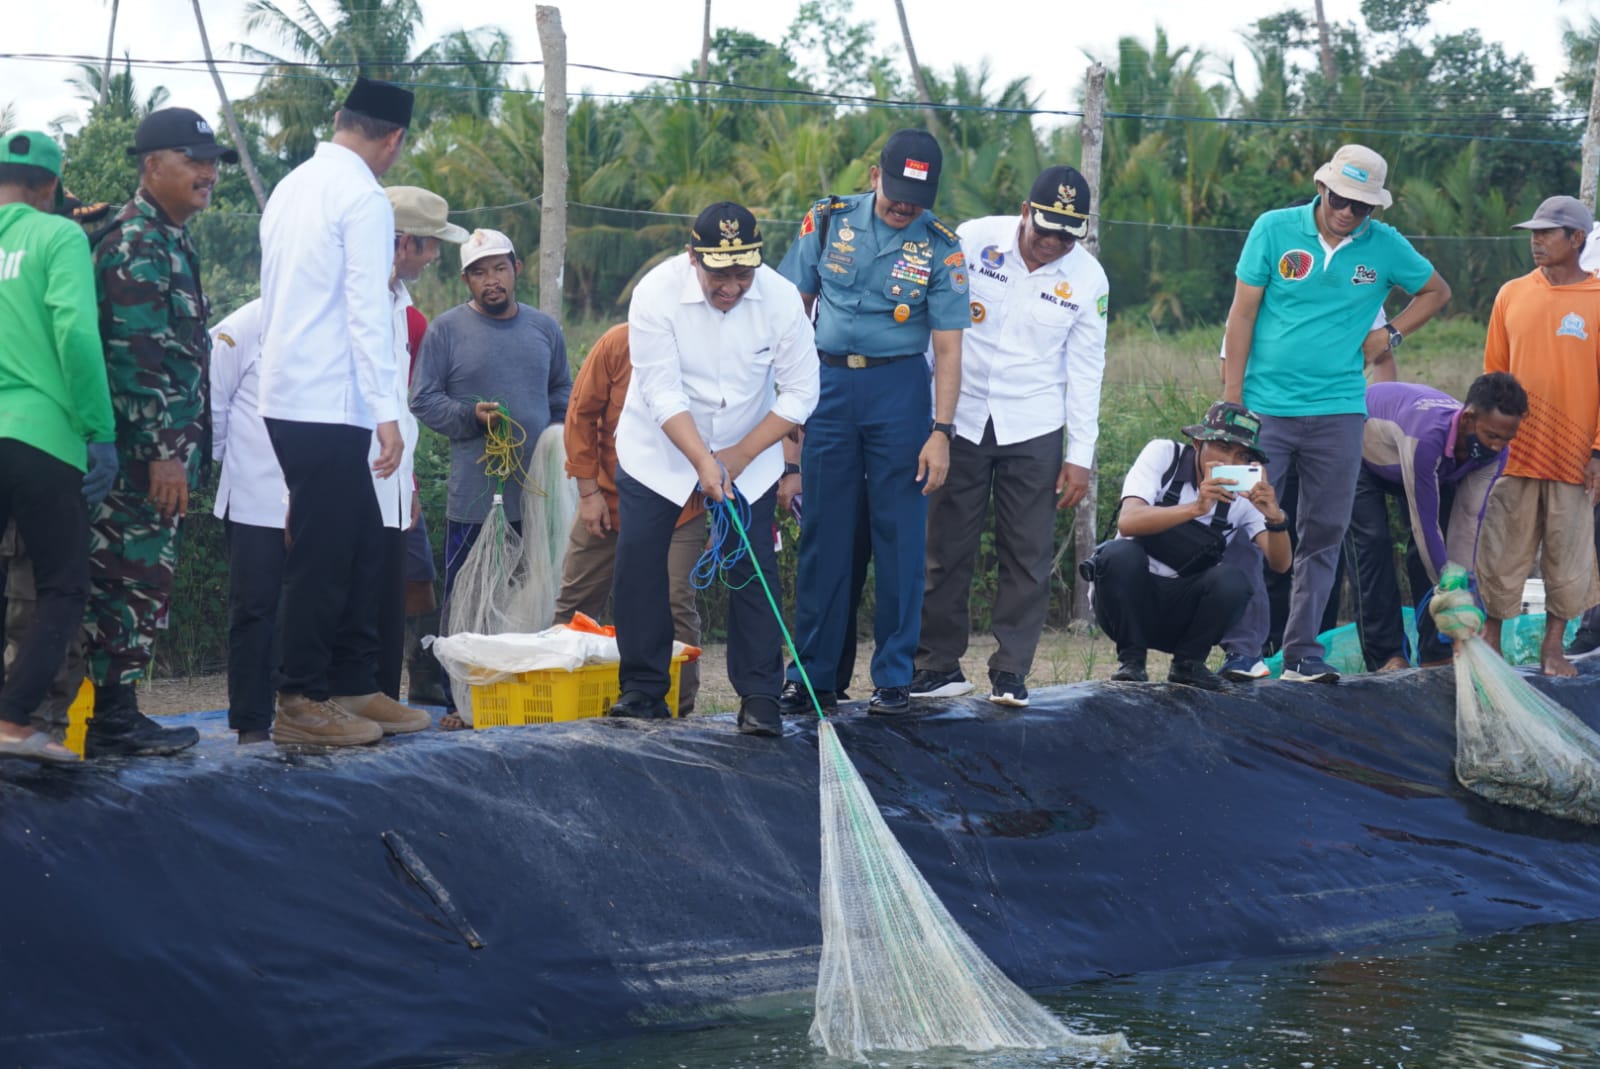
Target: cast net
x: 1514, y: 745
x: 897, y: 972
x: 549, y: 502
x: 481, y: 600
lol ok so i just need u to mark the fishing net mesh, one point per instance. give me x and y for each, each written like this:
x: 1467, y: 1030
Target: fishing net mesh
x: 508, y: 582
x: 1514, y: 745
x: 1517, y: 747
x: 897, y: 972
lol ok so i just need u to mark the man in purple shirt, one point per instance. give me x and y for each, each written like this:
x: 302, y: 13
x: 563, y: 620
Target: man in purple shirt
x: 1440, y: 458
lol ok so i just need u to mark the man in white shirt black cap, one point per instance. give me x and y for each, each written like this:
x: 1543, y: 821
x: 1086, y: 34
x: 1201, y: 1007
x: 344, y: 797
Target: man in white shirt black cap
x: 724, y: 366
x: 328, y: 385
x: 1031, y: 365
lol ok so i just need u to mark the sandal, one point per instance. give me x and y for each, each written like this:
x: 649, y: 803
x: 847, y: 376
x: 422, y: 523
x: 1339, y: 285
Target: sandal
x: 38, y: 748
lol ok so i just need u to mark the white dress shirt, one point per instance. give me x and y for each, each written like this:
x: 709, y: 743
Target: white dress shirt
x: 394, y: 493
x: 327, y: 249
x: 1034, y: 356
x: 250, y: 489
x: 726, y: 369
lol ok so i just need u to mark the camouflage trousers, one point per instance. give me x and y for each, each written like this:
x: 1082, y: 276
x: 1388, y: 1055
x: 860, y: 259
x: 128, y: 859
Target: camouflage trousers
x: 133, y: 556
x: 51, y: 715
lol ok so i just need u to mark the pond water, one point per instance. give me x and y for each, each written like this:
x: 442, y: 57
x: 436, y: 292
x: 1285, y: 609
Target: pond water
x: 1527, y: 999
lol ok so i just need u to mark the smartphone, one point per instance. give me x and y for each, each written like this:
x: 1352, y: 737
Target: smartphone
x: 1243, y: 476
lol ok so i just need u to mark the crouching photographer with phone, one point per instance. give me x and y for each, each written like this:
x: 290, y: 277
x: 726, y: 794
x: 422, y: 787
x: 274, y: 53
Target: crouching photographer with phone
x: 1161, y: 584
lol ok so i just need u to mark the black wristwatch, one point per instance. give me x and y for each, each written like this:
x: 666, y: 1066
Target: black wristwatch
x: 949, y: 429
x: 791, y: 469
x: 1395, y: 337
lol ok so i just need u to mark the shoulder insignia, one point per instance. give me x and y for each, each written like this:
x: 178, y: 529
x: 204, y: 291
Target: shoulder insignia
x: 808, y: 225
x: 939, y: 228
x: 954, y: 259
x: 224, y: 336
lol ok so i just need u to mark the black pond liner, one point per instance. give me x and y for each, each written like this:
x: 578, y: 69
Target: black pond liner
x: 242, y: 907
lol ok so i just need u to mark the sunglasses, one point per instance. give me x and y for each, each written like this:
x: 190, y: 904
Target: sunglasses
x: 1060, y: 235
x: 1360, y: 209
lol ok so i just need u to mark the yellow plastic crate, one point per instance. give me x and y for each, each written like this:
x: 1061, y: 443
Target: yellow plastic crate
x: 553, y: 694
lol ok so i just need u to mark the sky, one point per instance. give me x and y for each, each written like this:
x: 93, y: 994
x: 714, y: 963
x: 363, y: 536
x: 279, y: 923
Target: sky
x: 1016, y: 37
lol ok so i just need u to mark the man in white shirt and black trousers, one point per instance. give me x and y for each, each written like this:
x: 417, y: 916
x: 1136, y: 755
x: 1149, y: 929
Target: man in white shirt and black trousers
x: 724, y: 366
x: 1031, y: 365
x: 328, y: 386
x: 1161, y: 584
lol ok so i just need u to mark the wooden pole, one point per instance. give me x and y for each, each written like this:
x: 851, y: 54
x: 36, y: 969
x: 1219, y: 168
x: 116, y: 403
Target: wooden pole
x: 1591, y: 141
x: 228, y: 117
x: 928, y: 111
x: 553, y: 206
x: 705, y: 50
x: 111, y: 37
x: 1092, y: 136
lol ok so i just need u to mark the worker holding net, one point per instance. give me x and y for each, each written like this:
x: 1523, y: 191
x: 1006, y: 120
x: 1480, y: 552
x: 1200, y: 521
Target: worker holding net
x: 724, y: 366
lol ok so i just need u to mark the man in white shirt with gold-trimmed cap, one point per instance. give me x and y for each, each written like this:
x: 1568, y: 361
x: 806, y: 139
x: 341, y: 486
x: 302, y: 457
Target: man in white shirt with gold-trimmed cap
x: 724, y: 366
x: 1031, y: 365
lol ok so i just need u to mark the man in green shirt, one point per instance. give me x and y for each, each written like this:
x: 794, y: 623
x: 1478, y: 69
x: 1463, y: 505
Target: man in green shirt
x: 55, y: 421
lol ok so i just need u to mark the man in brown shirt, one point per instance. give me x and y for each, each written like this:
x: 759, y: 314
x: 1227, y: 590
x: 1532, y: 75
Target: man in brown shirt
x: 592, y: 414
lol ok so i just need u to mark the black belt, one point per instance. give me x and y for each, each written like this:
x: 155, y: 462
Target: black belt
x: 856, y: 360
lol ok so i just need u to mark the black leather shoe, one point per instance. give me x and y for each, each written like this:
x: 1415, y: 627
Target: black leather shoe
x: 794, y: 701
x: 890, y: 701
x: 119, y: 729
x: 1131, y: 670
x: 637, y: 705
x: 1193, y: 674
x: 758, y: 715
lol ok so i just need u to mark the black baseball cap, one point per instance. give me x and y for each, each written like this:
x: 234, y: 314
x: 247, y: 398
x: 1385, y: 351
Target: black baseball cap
x: 381, y: 100
x: 1060, y: 201
x: 726, y: 235
x: 909, y: 167
x: 1229, y: 421
x: 181, y: 129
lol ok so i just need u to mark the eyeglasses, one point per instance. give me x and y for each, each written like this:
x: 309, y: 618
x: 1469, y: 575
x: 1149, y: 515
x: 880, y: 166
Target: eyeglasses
x: 1360, y: 209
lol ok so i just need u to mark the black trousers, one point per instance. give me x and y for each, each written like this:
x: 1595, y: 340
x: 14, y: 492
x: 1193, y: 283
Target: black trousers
x: 328, y: 627
x: 1369, y: 557
x: 1141, y: 611
x: 642, y: 602
x: 255, y: 588
x: 392, y: 611
x: 44, y: 496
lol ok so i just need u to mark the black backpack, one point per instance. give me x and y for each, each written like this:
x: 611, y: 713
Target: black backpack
x: 1189, y: 548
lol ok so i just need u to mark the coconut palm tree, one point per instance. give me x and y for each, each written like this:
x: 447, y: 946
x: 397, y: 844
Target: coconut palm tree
x: 119, y: 96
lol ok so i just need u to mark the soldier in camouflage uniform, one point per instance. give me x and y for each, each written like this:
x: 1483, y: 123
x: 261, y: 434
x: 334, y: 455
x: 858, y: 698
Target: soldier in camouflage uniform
x: 153, y: 324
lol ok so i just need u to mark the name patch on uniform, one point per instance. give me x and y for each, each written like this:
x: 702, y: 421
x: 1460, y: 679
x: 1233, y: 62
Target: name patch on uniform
x: 989, y: 272
x: 1572, y: 327
x: 1295, y: 264
x: 1053, y: 299
x: 1364, y: 276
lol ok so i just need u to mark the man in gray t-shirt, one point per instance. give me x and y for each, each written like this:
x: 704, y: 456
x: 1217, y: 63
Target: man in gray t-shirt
x: 477, y: 358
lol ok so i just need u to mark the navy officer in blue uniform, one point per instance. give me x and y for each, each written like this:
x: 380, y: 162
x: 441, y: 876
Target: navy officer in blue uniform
x: 881, y: 275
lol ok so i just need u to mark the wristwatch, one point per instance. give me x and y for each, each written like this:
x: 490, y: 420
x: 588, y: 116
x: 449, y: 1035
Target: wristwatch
x: 1395, y: 337
x: 949, y: 429
x: 791, y: 469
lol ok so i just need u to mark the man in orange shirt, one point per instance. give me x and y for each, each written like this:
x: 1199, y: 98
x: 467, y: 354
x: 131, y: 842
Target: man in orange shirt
x: 592, y: 414
x: 1545, y: 330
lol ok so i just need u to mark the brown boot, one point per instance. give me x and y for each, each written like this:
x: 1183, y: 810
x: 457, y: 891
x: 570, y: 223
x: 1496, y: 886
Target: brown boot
x: 304, y: 721
x: 388, y: 714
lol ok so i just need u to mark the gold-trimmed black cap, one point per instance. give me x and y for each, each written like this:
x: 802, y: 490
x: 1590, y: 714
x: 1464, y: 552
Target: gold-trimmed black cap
x: 726, y: 235
x: 1060, y: 201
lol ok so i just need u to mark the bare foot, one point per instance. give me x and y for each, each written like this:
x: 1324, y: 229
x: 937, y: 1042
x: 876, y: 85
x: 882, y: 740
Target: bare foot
x: 1394, y: 664
x: 11, y: 734
x: 452, y: 722
x: 1556, y: 664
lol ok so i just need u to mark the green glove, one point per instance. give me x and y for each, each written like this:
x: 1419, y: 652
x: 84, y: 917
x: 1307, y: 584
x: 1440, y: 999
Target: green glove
x: 1455, y: 612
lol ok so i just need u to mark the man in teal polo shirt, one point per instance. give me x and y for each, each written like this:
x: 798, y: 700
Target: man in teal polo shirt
x: 883, y: 276
x: 1300, y: 337
x: 55, y: 421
